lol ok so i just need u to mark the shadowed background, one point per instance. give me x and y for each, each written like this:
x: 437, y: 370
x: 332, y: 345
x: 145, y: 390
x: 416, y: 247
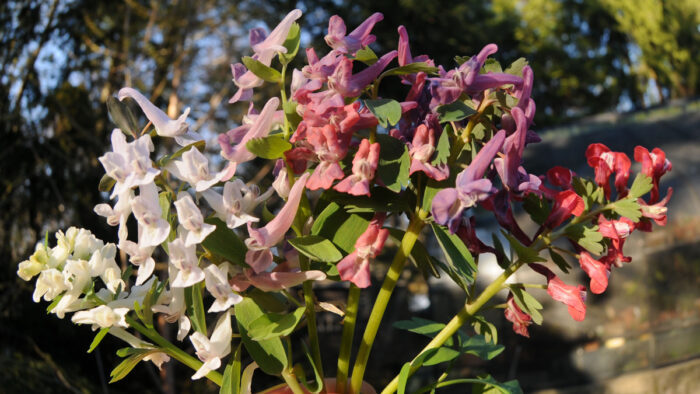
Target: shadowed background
x: 62, y: 59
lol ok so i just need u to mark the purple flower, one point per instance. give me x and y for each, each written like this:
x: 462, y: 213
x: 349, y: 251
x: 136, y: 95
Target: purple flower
x: 471, y: 187
x: 353, y: 42
x: 349, y: 85
x: 513, y: 175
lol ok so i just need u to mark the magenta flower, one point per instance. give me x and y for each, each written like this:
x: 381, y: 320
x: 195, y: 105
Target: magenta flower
x: 654, y: 165
x: 513, y: 175
x: 515, y: 315
x: 348, y: 84
x: 471, y: 187
x: 265, y: 48
x: 262, y: 239
x: 364, y: 165
x: 355, y: 266
x: 421, y: 150
x: 353, y: 42
x: 597, y: 271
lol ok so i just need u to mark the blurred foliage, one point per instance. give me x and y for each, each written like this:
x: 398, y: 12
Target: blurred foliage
x: 62, y: 59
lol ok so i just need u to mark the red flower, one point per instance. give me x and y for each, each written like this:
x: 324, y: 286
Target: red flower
x: 656, y: 212
x: 617, y: 231
x: 597, y: 271
x: 654, y: 165
x: 566, y: 203
x: 605, y: 163
x: 519, y: 318
x: 573, y: 297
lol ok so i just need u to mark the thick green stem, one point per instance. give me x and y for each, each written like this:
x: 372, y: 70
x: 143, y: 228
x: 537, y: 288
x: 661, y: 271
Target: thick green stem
x: 458, y: 321
x: 346, y: 341
x: 292, y: 382
x: 311, y: 316
x: 173, y: 350
x: 375, y: 318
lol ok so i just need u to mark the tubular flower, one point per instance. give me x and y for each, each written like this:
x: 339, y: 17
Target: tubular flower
x: 515, y: 315
x: 355, y: 266
x: 211, y: 350
x: 605, y: 163
x: 194, y: 169
x: 654, y: 165
x: 656, y: 212
x: 348, y: 84
x: 353, y: 42
x: 566, y: 203
x: 191, y: 219
x: 129, y: 163
x: 364, y: 165
x: 330, y: 149
x: 153, y: 229
x: 471, y: 187
x: 165, y: 127
x: 597, y: 271
x: 421, y: 150
x: 574, y: 297
x: 236, y: 205
x: 514, y: 177
x: 617, y: 231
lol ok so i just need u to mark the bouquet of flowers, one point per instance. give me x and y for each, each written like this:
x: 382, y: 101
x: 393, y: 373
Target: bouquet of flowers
x: 354, y: 173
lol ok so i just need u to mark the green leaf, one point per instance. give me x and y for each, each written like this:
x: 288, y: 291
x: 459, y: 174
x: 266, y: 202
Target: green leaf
x: 629, y: 208
x: 262, y: 71
x: 318, y: 379
x: 120, y: 371
x: 271, y: 147
x: 394, y: 163
x: 492, y: 65
x: 291, y: 44
x: 500, y: 251
x: 381, y: 200
x: 274, y: 325
x: 516, y: 68
x: 442, y: 150
x: 431, y: 189
x: 436, y: 356
x: 123, y: 117
x: 290, y: 111
x: 341, y: 227
x: 454, y: 112
x: 642, y: 185
x: 387, y: 112
x: 488, y: 385
x: 106, y: 183
x: 538, y: 208
x: 195, y: 307
x: 485, y: 328
x: 559, y: 261
x: 200, y: 145
x: 403, y: 378
x: 148, y: 301
x: 460, y: 263
x: 419, y: 255
x: 461, y: 59
x: 224, y: 243
x: 525, y: 254
x: 588, y: 237
x: 98, y: 338
x: 479, y: 346
x: 366, y: 56
x: 269, y: 301
x: 316, y: 248
x: 232, y: 374
x: 411, y: 68
x: 270, y: 354
x: 422, y: 326
x: 527, y: 303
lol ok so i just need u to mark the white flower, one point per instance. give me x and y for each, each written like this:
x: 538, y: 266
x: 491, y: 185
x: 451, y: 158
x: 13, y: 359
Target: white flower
x: 194, y: 169
x: 158, y: 358
x: 102, y: 316
x: 50, y: 284
x: 36, y: 263
x: 175, y: 308
x: 211, y: 350
x: 190, y: 217
x: 216, y: 281
x: 165, y: 127
x: 84, y: 243
x: 185, y: 260
x: 140, y: 257
x: 153, y: 229
x: 238, y: 201
x: 118, y: 214
x: 129, y: 163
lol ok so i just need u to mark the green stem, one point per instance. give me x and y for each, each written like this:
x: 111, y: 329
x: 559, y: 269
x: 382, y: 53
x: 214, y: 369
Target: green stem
x: 311, y: 317
x: 173, y: 350
x: 380, y: 304
x: 346, y: 341
x: 292, y: 382
x: 283, y: 95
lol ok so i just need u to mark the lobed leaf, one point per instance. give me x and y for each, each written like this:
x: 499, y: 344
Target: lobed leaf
x: 454, y: 112
x: 387, y: 112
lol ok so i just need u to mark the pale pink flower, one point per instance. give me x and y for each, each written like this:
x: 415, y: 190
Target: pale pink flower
x: 355, y: 266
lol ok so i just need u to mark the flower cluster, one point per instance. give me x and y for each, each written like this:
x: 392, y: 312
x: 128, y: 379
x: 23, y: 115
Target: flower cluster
x: 453, y: 143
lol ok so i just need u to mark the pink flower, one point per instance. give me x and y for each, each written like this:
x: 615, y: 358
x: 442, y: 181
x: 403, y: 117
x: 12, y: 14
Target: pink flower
x: 656, y: 212
x: 520, y: 319
x: 364, y: 165
x: 573, y: 297
x: 421, y: 150
x: 617, y: 231
x: 597, y: 271
x: 348, y: 84
x: 353, y: 42
x: 355, y: 266
x: 654, y: 165
x: 566, y: 203
x: 330, y: 147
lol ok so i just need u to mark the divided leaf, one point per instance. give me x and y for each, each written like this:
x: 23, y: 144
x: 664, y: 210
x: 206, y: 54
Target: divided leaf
x: 525, y: 254
x: 460, y: 263
x: 387, y: 112
x: 642, y: 185
x: 588, y: 237
x: 454, y: 112
x: 527, y: 303
x: 629, y: 208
